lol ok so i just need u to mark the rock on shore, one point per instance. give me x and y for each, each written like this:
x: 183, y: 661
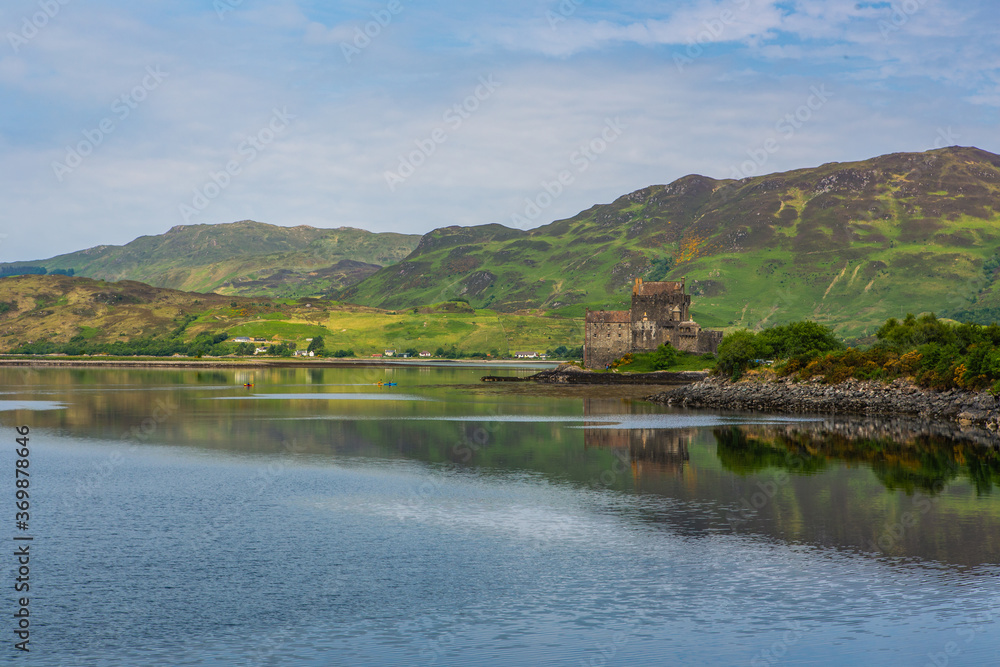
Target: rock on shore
x: 570, y: 374
x: 852, y: 397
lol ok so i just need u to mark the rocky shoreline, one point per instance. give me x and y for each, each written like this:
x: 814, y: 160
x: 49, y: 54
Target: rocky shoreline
x: 851, y: 397
x: 570, y: 374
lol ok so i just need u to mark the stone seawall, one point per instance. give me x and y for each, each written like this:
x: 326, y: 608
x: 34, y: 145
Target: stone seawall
x: 852, y: 397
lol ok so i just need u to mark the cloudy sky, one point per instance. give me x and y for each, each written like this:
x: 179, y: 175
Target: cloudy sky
x: 120, y: 119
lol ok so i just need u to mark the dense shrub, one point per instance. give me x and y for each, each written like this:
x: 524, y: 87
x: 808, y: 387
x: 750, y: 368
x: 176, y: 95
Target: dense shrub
x: 798, y: 338
x: 8, y: 271
x: 564, y: 352
x: 935, y: 353
x: 739, y: 351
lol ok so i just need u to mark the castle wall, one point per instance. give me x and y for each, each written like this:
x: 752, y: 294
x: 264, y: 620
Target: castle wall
x: 708, y: 341
x: 608, y: 336
x: 658, y: 308
x: 649, y: 334
x: 659, y: 314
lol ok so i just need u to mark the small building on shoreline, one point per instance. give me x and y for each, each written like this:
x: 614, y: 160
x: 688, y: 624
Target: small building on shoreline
x: 659, y: 314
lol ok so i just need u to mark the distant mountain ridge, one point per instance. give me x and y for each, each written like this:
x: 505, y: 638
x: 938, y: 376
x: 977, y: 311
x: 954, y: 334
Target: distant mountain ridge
x: 847, y: 244
x: 239, y: 257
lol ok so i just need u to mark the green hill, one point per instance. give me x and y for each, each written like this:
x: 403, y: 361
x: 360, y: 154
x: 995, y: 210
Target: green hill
x: 845, y: 244
x: 36, y: 308
x: 249, y: 258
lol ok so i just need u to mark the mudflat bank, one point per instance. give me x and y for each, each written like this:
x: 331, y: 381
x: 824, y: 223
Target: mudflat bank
x: 851, y: 397
x: 569, y: 374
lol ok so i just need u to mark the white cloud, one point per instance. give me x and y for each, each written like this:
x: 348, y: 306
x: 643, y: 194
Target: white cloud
x: 355, y: 120
x: 718, y: 21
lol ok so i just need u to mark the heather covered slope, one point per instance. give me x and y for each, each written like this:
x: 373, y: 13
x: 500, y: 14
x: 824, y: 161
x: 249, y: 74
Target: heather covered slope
x: 60, y: 309
x: 846, y: 244
x: 249, y: 258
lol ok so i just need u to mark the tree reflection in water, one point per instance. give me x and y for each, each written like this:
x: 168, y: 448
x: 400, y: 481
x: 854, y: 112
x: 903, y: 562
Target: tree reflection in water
x: 904, y: 455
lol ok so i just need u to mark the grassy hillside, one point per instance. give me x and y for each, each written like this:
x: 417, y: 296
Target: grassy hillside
x: 57, y: 308
x: 249, y: 258
x: 845, y: 244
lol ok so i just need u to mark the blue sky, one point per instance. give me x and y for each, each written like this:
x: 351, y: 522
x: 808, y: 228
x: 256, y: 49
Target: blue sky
x: 123, y: 119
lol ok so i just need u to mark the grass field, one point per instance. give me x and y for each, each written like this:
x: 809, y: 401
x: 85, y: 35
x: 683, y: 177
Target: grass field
x: 58, y: 308
x: 367, y: 333
x: 643, y: 363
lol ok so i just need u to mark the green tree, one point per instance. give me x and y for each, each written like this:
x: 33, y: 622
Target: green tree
x: 739, y: 351
x: 316, y: 345
x: 798, y: 338
x: 664, y: 357
x: 659, y: 268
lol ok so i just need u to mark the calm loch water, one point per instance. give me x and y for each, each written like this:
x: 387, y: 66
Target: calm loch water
x: 180, y: 518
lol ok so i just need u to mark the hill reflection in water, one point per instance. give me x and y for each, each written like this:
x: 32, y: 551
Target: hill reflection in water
x: 844, y: 484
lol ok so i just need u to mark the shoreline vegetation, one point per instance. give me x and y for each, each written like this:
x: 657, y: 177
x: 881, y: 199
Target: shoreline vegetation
x: 766, y: 392
x: 921, y: 366
x: 250, y: 362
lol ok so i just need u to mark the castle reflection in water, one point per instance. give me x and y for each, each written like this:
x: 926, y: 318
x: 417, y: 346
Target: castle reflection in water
x: 651, y: 451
